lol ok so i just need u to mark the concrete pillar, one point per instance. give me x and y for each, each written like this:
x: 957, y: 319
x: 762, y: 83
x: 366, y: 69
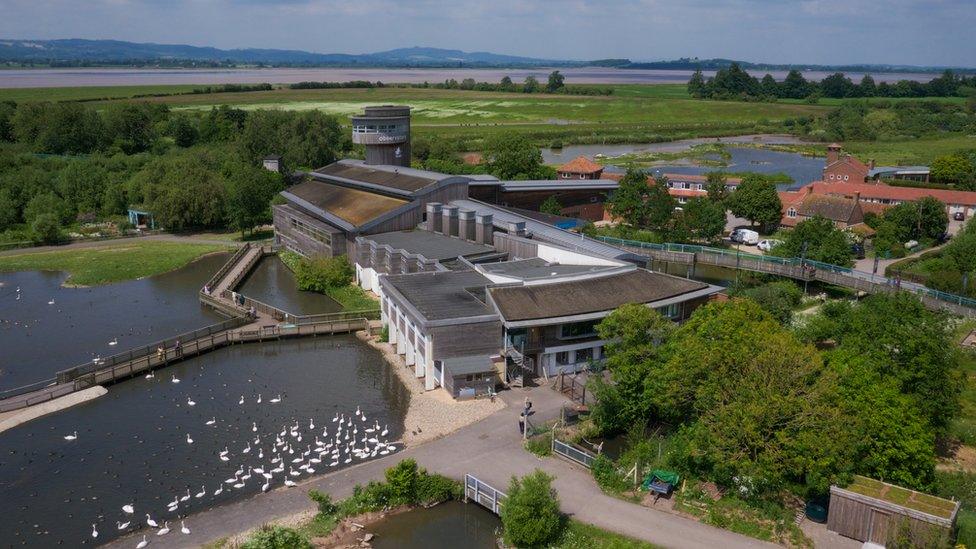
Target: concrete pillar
x: 450, y: 220
x: 430, y: 382
x: 434, y: 216
x: 409, y: 356
x: 516, y: 228
x: 484, y: 228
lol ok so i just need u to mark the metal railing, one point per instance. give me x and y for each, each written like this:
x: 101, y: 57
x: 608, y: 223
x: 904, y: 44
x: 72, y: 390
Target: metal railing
x: 572, y: 453
x: 740, y: 260
x: 483, y: 494
x: 222, y: 271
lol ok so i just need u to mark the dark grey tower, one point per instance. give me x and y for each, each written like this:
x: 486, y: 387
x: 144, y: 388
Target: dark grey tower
x: 385, y: 131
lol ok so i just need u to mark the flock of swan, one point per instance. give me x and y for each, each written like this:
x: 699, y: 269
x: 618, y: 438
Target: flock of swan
x: 269, y: 459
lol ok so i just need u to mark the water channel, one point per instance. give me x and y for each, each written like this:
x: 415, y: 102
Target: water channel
x: 445, y: 526
x: 133, y: 445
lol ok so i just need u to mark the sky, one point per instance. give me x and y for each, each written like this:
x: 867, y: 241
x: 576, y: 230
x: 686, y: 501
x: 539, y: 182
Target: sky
x: 835, y: 32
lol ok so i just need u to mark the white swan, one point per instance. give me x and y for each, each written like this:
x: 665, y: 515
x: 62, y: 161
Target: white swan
x: 219, y: 491
x: 311, y: 425
x: 241, y: 401
x: 150, y: 375
x: 276, y: 399
x: 264, y: 487
x: 164, y: 530
x: 212, y: 420
x: 186, y: 497
x: 259, y: 398
x: 289, y: 483
x: 128, y: 509
x: 184, y: 529
x: 254, y: 427
x: 189, y: 402
x: 188, y: 439
x: 122, y: 525
x: 151, y: 522
x: 201, y: 493
x: 51, y: 302
x: 142, y: 543
x: 72, y: 436
x: 174, y: 379
x: 94, y: 531
x: 114, y: 342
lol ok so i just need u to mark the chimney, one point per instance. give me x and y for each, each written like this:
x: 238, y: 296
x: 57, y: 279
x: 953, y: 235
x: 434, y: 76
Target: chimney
x: 450, y: 227
x: 833, y: 153
x: 516, y: 228
x: 484, y: 229
x: 434, y: 217
x: 466, y: 224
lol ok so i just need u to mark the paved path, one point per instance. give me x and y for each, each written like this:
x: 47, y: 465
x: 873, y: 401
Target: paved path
x: 490, y: 449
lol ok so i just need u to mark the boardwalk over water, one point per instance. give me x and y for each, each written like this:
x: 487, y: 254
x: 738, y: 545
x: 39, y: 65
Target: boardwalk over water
x: 793, y: 267
x: 268, y: 323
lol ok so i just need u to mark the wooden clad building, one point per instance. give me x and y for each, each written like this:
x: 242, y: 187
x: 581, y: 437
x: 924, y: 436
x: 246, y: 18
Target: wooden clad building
x: 869, y: 510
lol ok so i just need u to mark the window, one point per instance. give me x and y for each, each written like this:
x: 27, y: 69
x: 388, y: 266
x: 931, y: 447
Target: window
x: 593, y: 199
x: 582, y: 176
x: 846, y: 177
x: 562, y: 357
x: 584, y: 355
x: 575, y: 330
x: 831, y: 176
x: 670, y: 311
x: 314, y: 233
x: 791, y: 212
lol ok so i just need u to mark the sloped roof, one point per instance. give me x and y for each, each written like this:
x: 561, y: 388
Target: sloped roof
x: 580, y: 164
x: 401, y: 181
x: 353, y: 206
x: 559, y: 299
x: 834, y: 208
x: 440, y: 295
x: 891, y: 192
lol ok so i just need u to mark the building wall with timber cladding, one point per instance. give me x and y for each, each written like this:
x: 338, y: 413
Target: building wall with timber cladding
x: 466, y: 339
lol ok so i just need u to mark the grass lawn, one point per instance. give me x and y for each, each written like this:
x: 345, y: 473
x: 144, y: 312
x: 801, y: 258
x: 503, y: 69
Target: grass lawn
x: 353, y: 298
x: 123, y: 260
x: 579, y: 535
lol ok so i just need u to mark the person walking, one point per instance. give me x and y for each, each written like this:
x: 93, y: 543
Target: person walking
x: 178, y: 349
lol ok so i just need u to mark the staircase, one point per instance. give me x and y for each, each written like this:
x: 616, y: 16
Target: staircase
x: 524, y: 366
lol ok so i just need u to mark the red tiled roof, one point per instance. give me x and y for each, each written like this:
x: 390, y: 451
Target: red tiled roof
x: 891, y: 192
x: 580, y: 164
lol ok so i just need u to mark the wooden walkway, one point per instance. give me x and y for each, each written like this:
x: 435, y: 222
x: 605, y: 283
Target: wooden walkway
x: 796, y: 268
x: 266, y: 324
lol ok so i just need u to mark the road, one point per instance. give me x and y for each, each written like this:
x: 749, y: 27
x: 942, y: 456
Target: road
x: 490, y: 449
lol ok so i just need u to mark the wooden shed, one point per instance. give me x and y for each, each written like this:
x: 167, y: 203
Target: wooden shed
x: 873, y: 511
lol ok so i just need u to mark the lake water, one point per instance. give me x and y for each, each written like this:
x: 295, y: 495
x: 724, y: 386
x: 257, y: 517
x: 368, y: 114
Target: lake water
x: 445, y: 526
x: 39, y: 339
x: 132, y: 445
x: 803, y: 169
x: 45, y: 78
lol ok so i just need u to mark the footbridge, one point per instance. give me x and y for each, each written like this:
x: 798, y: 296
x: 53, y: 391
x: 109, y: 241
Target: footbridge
x: 267, y: 323
x: 797, y: 268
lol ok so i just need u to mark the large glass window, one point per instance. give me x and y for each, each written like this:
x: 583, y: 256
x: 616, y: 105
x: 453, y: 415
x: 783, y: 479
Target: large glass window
x: 670, y: 311
x: 575, y: 330
x: 314, y: 233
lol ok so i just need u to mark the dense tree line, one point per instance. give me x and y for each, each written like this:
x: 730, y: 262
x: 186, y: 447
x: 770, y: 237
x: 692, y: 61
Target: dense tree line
x: 61, y: 163
x: 735, y: 83
x: 883, y: 119
x: 760, y: 408
x: 555, y: 83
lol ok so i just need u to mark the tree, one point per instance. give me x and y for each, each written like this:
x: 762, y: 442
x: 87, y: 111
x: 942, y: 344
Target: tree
x: 531, y: 85
x: 769, y: 86
x: 755, y: 405
x: 629, y: 201
x: 130, y: 126
x: 715, y: 186
x: 660, y: 205
x: 48, y: 203
x: 46, y: 228
x: 952, y: 169
x: 530, y: 514
x: 778, y: 298
x: 756, y: 199
x: 303, y: 139
x: 82, y: 184
x: 511, y: 156
x: 837, y: 85
x: 703, y: 219
x: 551, y: 206
x: 249, y: 193
x: 8, y: 209
x: 322, y: 274
x: 507, y: 84
x: 923, y: 218
x: 696, y: 85
x: 867, y: 87
x: 59, y: 128
x: 182, y: 130
x: 183, y: 191
x: 555, y: 81
x: 795, y: 86
x: 7, y: 110
x: 817, y: 239
x: 634, y: 357
x: 402, y: 480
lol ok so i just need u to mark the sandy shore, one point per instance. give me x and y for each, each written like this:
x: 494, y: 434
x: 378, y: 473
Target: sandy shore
x: 431, y: 414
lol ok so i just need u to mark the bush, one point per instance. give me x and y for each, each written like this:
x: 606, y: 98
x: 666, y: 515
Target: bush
x: 276, y: 537
x: 385, y: 333
x: 778, y: 298
x: 401, y: 479
x: 530, y: 515
x: 436, y: 488
x: 324, y: 501
x: 46, y: 228
x: 322, y: 274
x: 607, y: 477
x: 540, y: 445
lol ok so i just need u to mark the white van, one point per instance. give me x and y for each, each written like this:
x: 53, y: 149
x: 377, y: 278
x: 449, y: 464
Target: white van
x: 745, y: 236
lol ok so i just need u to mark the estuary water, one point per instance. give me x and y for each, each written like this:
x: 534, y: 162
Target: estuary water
x: 161, y: 439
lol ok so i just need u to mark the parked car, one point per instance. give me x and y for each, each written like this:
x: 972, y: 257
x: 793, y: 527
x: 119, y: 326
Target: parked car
x: 745, y: 236
x: 959, y: 216
x: 767, y: 244
x: 911, y: 244
x: 858, y: 250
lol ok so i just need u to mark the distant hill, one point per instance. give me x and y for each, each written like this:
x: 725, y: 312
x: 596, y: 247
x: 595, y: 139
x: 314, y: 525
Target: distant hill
x: 715, y: 64
x: 79, y: 52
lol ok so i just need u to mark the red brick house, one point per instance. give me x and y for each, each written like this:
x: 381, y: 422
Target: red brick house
x: 580, y: 168
x: 801, y: 205
x: 875, y: 197
x: 844, y: 168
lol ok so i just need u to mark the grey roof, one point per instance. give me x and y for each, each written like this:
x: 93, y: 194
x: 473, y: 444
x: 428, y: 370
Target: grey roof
x: 550, y: 184
x: 898, y: 169
x: 429, y: 244
x: 472, y: 364
x: 561, y: 299
x: 537, y: 268
x: 397, y: 180
x: 442, y: 295
x: 348, y: 207
x: 834, y: 208
x: 544, y: 232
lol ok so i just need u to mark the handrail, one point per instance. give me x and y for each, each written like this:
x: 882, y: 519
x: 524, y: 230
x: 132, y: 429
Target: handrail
x: 796, y: 262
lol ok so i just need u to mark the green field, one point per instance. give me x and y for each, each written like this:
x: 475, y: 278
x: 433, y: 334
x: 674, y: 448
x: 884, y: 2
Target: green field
x: 89, y: 93
x: 119, y: 261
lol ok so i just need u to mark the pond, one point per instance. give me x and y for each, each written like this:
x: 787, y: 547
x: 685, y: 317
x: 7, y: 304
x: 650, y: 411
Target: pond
x: 46, y: 327
x: 445, y: 526
x: 152, y: 440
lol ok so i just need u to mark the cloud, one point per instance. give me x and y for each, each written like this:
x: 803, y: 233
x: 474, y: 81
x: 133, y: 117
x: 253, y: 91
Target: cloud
x: 933, y: 32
